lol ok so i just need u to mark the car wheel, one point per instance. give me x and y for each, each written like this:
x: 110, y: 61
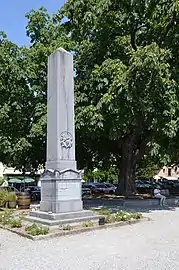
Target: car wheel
x: 111, y: 192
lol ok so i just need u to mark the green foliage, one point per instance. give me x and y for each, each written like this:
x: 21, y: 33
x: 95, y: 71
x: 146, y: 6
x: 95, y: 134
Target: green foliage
x: 87, y: 224
x: 105, y: 212
x: 23, y: 88
x: 122, y: 216
x: 11, y: 197
x: 35, y: 229
x: 1, y: 181
x: 101, y: 175
x: 126, y: 87
x: 16, y: 223
x: 119, y: 216
x: 126, y: 84
x: 5, y: 217
x: 3, y: 197
x: 147, y: 168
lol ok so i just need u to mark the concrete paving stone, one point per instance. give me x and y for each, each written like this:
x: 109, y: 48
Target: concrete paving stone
x: 151, y: 245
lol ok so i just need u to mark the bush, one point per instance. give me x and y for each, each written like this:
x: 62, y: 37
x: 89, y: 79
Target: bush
x: 15, y: 223
x: 105, y: 212
x: 87, y: 224
x: 119, y: 216
x: 5, y: 217
x: 3, y: 197
x: 35, y: 229
x: 1, y: 181
x: 136, y: 215
x: 67, y: 228
x: 11, y: 197
x: 122, y: 216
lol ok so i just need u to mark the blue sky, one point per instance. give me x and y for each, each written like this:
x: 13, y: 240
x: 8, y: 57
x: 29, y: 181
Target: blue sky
x: 12, y: 16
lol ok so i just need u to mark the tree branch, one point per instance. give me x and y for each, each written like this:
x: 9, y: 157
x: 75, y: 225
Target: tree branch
x: 168, y: 27
x: 133, y: 31
x: 140, y: 151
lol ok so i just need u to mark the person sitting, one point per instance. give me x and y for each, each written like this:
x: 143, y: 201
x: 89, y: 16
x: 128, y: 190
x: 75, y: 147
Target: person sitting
x: 158, y: 195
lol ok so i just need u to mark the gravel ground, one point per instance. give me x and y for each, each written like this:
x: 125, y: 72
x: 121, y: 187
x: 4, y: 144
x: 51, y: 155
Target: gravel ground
x: 149, y: 245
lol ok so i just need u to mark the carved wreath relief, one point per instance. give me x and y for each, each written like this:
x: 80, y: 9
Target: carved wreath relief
x: 66, y: 140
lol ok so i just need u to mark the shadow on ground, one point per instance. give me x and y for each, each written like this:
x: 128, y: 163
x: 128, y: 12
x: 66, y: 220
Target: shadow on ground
x: 135, y: 209
x: 117, y: 208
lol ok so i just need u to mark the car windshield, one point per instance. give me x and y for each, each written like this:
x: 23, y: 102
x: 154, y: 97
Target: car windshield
x: 37, y: 189
x: 87, y: 186
x: 109, y: 185
x: 100, y: 186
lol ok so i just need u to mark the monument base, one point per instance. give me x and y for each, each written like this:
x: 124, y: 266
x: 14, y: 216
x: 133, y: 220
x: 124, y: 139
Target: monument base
x: 61, y: 191
x: 61, y: 201
x: 61, y: 206
x: 53, y: 219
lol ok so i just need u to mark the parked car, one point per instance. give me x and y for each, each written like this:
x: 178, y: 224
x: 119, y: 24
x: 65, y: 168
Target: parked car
x: 111, y: 187
x: 142, y: 184
x: 10, y: 189
x: 35, y: 192
x: 91, y: 187
x: 85, y: 191
x: 104, y: 188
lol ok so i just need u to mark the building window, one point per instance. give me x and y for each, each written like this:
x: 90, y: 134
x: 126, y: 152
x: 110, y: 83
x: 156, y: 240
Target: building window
x: 169, y: 171
x: 163, y: 170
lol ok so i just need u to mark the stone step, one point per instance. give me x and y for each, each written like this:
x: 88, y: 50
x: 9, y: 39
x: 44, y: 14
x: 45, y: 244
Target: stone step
x: 74, y: 221
x: 61, y: 216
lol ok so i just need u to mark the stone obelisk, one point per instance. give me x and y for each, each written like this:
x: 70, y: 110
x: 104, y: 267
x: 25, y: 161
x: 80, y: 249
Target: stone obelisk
x: 61, y: 182
x: 60, y: 116
x: 63, y: 192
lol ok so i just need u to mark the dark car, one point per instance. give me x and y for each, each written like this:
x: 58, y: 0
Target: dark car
x: 100, y: 188
x: 35, y: 192
x: 90, y: 187
x: 86, y: 191
x: 112, y: 188
x: 142, y: 184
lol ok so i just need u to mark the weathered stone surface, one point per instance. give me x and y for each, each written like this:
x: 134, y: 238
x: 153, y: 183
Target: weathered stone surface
x: 60, y: 119
x: 61, y: 182
x: 61, y: 191
x: 54, y: 219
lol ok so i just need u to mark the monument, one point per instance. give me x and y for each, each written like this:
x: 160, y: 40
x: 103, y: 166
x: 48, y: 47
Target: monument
x: 61, y: 200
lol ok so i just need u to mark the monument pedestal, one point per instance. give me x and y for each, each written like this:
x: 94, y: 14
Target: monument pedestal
x: 61, y: 191
x: 61, y: 199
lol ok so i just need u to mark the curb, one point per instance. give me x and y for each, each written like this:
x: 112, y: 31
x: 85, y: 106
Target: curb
x: 76, y: 231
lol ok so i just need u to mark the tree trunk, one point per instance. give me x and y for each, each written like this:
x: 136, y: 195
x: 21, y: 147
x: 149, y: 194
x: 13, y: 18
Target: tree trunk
x: 127, y: 168
x: 127, y: 174
x: 132, y: 149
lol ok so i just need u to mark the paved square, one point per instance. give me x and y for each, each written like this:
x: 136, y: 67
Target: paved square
x: 149, y: 245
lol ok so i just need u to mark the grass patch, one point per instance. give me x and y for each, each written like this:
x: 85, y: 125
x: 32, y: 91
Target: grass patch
x: 5, y: 217
x: 87, y: 224
x: 16, y: 223
x: 119, y: 216
x: 35, y: 229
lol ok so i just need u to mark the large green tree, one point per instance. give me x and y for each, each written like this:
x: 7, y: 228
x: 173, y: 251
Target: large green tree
x: 16, y: 104
x: 23, y: 88
x: 126, y: 78
x: 126, y: 83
